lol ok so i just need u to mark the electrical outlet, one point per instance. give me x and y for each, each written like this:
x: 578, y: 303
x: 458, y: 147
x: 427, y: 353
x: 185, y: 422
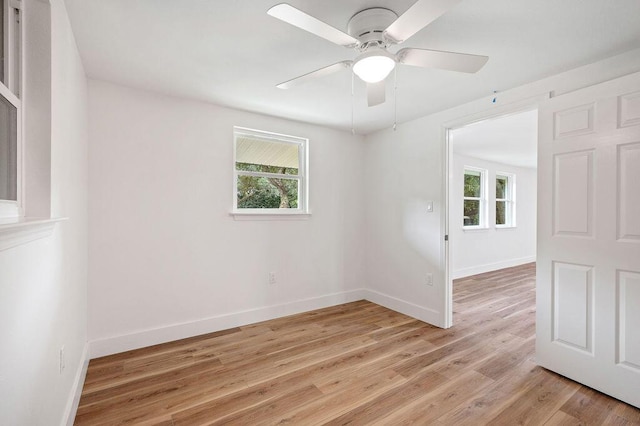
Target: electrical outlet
x: 272, y: 278
x: 430, y: 279
x: 62, y: 359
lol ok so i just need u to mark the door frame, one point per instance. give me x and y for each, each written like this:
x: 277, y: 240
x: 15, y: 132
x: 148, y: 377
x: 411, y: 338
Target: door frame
x: 494, y: 112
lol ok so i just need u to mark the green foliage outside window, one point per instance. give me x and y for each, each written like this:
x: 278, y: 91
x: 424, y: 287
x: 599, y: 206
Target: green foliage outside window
x: 501, y: 204
x: 501, y: 188
x: 501, y: 213
x: 267, y: 192
x: 472, y: 184
x: 472, y: 189
x: 471, y: 212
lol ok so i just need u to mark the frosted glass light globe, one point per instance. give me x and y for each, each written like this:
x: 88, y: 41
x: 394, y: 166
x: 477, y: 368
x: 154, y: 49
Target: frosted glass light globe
x: 374, y: 66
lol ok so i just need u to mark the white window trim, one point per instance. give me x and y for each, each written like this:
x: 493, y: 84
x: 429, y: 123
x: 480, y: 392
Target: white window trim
x: 302, y: 211
x: 12, y: 64
x: 20, y: 229
x: 11, y: 91
x: 23, y: 230
x: 482, y: 225
x: 510, y: 200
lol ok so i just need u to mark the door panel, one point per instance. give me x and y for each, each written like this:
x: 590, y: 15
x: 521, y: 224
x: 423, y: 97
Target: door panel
x: 629, y: 319
x: 629, y: 110
x: 628, y: 201
x: 574, y: 121
x: 588, y: 290
x: 572, y: 298
x: 573, y: 194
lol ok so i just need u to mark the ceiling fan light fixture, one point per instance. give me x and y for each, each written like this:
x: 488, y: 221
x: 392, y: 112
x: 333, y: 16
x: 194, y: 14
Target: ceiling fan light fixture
x: 374, y: 65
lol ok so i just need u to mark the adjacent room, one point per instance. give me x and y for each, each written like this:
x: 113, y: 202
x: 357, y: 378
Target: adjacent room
x: 339, y: 212
x: 492, y: 218
x: 492, y: 194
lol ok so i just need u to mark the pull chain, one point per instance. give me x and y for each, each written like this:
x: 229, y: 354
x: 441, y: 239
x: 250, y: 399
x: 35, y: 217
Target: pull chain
x: 353, y: 132
x: 395, y: 98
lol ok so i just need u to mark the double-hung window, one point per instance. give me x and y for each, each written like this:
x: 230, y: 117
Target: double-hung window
x: 474, y: 204
x: 270, y: 172
x: 10, y: 110
x: 505, y: 200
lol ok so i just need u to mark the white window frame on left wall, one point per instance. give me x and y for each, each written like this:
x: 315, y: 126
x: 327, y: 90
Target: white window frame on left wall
x: 11, y: 90
x: 17, y: 225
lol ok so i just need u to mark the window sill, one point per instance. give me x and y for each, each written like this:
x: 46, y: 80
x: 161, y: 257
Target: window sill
x: 16, y: 231
x: 475, y: 228
x: 505, y: 227
x: 253, y: 215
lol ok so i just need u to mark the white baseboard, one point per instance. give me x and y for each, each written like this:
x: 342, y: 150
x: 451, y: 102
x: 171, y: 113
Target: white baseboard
x: 141, y: 339
x: 76, y: 390
x: 424, y: 314
x: 481, y: 269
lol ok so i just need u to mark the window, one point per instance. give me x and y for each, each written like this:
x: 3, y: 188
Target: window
x: 10, y: 110
x: 10, y: 45
x: 474, y: 197
x: 270, y: 172
x: 505, y: 200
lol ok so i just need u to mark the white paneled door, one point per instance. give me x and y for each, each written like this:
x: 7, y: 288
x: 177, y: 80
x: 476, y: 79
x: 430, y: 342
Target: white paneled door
x: 588, y: 289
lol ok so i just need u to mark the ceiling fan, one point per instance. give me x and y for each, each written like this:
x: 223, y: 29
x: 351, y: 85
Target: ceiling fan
x: 371, y: 32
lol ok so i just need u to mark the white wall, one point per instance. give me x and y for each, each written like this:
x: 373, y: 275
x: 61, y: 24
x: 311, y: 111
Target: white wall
x: 404, y: 170
x: 168, y: 261
x: 482, y: 250
x: 43, y: 283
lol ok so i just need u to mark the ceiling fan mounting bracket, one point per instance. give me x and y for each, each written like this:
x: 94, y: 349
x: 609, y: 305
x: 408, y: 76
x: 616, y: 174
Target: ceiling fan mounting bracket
x: 368, y: 26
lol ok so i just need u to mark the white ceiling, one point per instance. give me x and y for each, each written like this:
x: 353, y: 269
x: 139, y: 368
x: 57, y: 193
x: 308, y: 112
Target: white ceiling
x: 230, y: 52
x: 508, y: 140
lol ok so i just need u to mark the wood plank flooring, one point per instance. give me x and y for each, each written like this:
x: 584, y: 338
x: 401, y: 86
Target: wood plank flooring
x: 355, y: 364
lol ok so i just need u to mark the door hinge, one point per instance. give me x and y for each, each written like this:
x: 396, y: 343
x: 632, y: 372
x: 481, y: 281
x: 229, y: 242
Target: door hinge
x: 446, y: 238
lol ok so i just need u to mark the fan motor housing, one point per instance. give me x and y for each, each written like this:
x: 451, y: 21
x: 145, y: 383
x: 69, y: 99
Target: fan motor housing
x: 368, y: 26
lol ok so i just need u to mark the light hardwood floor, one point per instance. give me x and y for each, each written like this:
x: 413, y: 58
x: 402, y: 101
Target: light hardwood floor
x: 355, y: 364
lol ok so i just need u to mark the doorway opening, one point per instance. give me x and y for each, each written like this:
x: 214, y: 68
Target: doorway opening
x: 491, y: 200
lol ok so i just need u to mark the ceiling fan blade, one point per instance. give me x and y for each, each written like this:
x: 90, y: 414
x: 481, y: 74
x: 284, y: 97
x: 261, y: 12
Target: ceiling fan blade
x: 298, y: 18
x: 418, y: 16
x: 462, y: 62
x: 315, y: 74
x: 376, y: 93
